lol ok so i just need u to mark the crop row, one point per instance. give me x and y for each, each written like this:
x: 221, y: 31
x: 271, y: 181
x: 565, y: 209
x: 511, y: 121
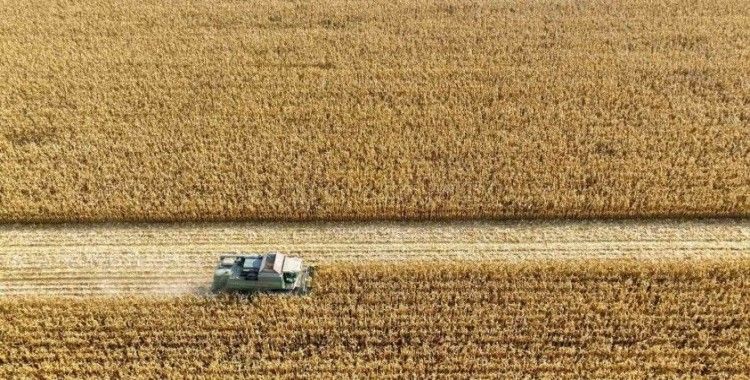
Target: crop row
x: 229, y: 110
x: 599, y: 319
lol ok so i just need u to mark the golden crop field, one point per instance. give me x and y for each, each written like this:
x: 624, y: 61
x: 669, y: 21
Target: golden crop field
x: 452, y: 320
x: 288, y: 126
x: 555, y: 299
x: 225, y: 110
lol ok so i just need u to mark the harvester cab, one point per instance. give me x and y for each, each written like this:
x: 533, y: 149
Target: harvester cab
x: 267, y: 272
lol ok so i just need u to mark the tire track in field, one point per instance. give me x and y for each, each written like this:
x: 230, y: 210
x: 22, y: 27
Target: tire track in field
x: 179, y: 258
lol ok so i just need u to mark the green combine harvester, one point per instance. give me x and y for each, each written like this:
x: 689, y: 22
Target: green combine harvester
x: 271, y: 272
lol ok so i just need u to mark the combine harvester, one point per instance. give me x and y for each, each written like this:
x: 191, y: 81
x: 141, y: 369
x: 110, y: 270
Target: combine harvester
x: 271, y: 272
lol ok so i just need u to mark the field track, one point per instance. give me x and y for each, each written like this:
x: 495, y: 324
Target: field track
x: 176, y: 258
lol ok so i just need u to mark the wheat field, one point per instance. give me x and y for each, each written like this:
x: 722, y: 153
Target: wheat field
x: 227, y: 110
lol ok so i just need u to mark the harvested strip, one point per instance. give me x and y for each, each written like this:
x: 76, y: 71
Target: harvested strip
x: 180, y: 258
x: 123, y: 234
